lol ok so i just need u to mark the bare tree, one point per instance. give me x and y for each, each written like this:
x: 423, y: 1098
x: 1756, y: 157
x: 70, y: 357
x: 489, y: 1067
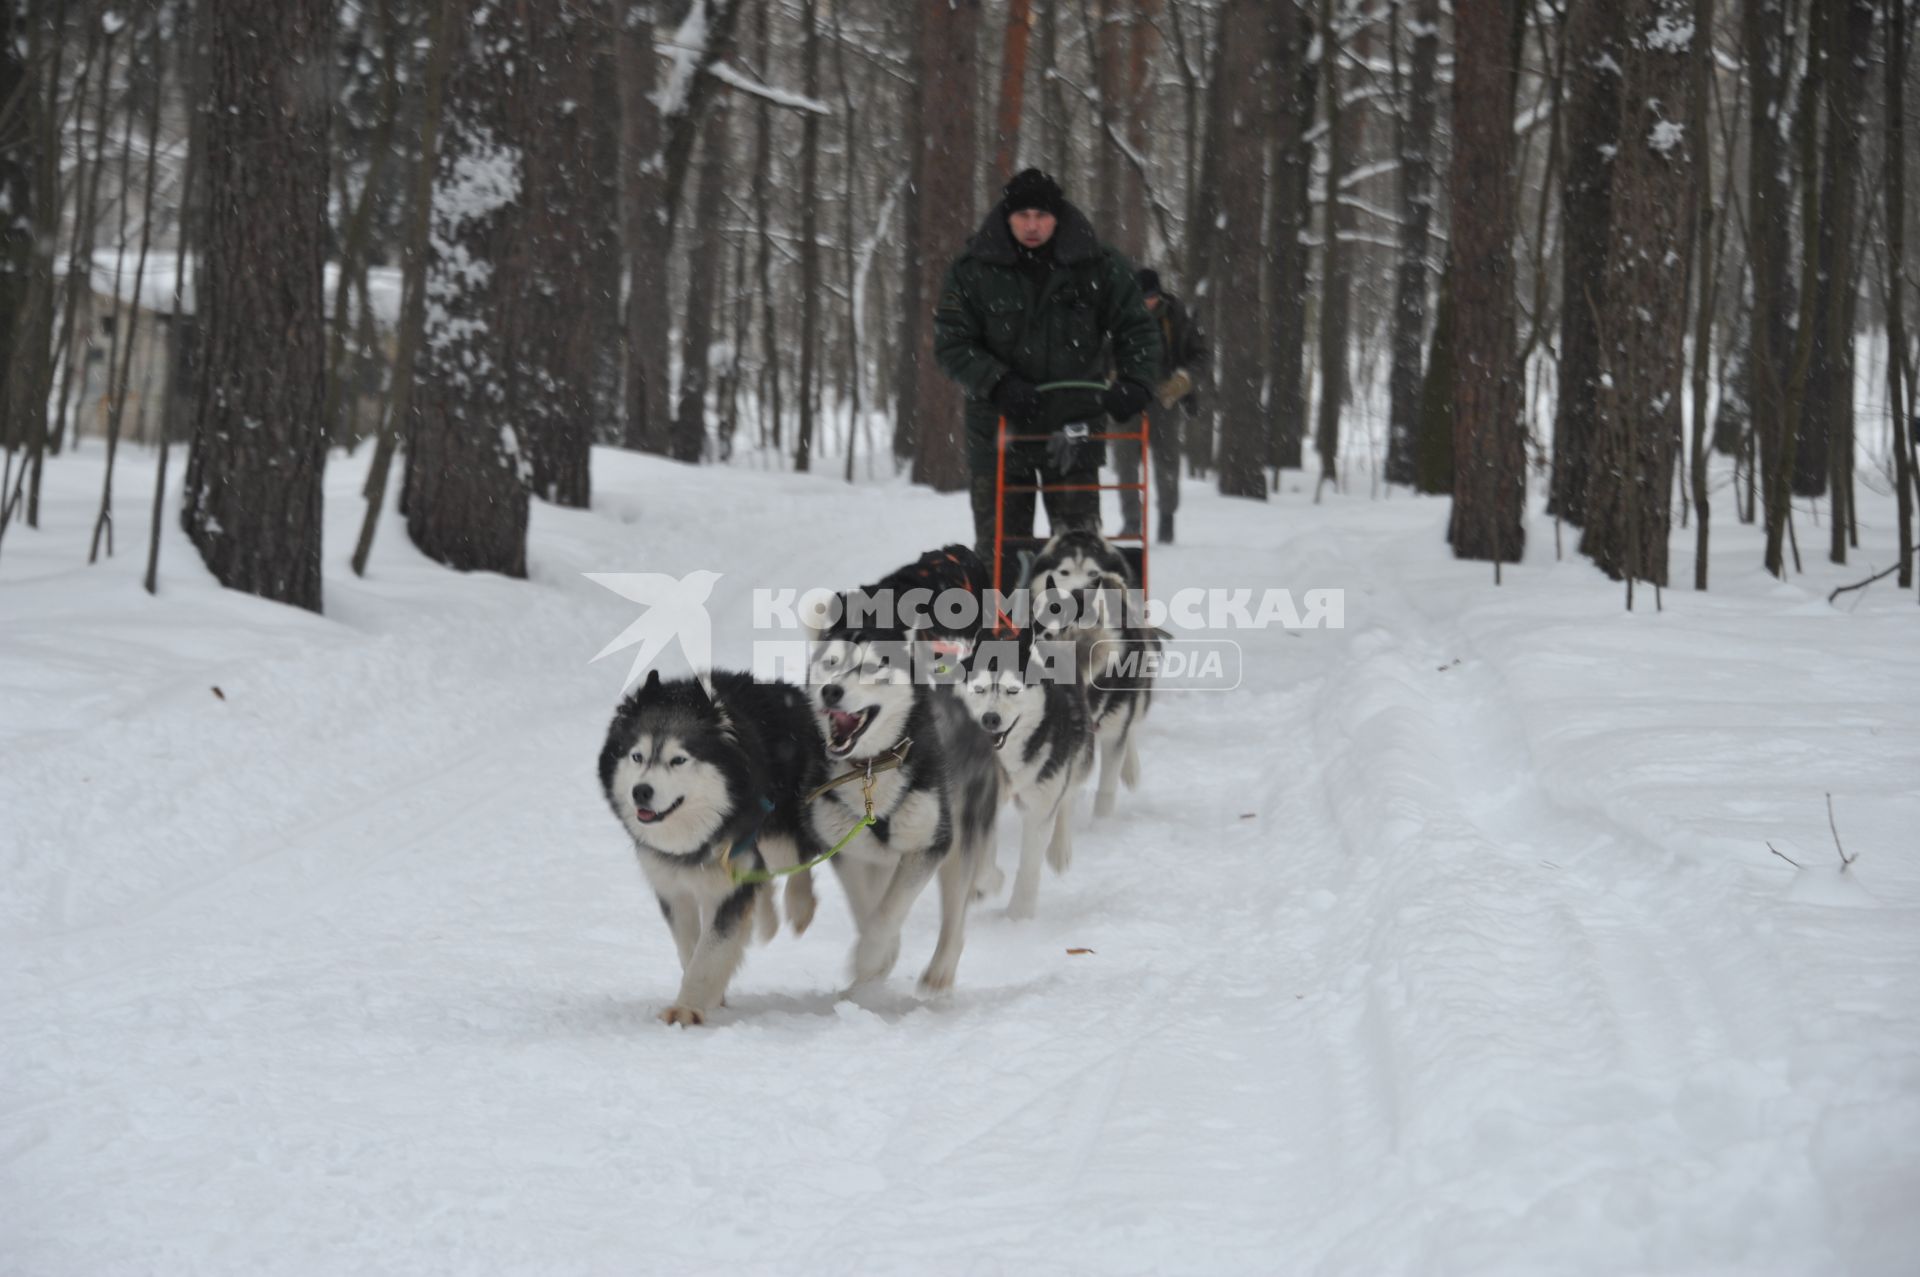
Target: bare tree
x: 1414, y: 138
x: 1642, y: 317
x: 1825, y: 456
x: 1489, y: 446
x: 1013, y: 81
x: 253, y: 483
x: 1896, y: 209
x: 554, y: 321
x: 1768, y: 55
x: 1247, y: 64
x: 1295, y: 92
x: 809, y: 241
x: 949, y: 67
x: 1336, y: 283
x: 465, y: 494
x: 1594, y: 35
x: 703, y: 280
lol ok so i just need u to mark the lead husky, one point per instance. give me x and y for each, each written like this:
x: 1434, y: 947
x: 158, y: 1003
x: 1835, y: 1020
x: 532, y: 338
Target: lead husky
x: 1027, y: 699
x: 1081, y: 585
x: 935, y: 794
x: 700, y: 783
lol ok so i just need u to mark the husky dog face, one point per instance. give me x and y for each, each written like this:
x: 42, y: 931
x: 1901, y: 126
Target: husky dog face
x: 1067, y: 612
x: 672, y: 768
x: 1009, y: 711
x: 1080, y: 559
x: 865, y: 694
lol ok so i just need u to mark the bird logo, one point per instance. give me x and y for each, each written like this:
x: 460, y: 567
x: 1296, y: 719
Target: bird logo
x: 676, y: 610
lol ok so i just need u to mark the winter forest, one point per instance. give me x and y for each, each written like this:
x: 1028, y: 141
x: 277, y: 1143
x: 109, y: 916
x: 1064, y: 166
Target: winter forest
x: 399, y: 394
x: 1586, y: 248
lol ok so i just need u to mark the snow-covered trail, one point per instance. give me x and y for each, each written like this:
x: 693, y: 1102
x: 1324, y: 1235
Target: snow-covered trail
x: 1448, y: 943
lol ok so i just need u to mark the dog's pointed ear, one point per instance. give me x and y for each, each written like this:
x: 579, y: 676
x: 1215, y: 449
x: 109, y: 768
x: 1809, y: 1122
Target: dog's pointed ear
x: 653, y: 681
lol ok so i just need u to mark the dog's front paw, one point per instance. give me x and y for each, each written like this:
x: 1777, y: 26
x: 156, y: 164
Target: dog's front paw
x: 1103, y: 804
x: 1059, y: 855
x: 1023, y: 905
x: 682, y: 1016
x: 801, y: 903
x: 938, y: 977
x: 873, y: 957
x: 988, y: 881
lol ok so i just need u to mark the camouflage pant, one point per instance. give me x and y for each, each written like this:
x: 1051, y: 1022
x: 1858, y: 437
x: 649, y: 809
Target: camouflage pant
x: 1064, y: 509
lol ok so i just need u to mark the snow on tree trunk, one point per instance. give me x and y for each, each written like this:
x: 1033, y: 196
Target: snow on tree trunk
x: 467, y: 461
x: 1643, y: 304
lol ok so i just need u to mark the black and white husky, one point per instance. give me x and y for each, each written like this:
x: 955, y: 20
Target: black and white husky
x: 934, y: 811
x: 1081, y: 584
x: 1028, y: 700
x: 701, y: 784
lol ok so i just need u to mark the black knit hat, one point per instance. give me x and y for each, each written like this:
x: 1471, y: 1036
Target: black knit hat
x: 1030, y: 188
x: 1149, y: 281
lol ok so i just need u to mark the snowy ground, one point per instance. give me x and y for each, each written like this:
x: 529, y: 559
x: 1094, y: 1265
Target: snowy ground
x: 1450, y: 943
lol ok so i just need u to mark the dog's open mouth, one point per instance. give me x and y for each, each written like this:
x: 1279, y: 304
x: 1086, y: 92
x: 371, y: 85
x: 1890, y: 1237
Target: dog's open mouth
x: 648, y: 816
x: 1000, y: 737
x: 845, y: 728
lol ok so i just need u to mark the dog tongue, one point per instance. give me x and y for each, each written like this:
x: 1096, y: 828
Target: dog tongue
x: 843, y: 722
x: 645, y: 813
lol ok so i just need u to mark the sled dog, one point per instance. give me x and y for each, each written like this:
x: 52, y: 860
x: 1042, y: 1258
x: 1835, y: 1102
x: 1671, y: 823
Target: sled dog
x: 707, y: 788
x: 1036, y: 716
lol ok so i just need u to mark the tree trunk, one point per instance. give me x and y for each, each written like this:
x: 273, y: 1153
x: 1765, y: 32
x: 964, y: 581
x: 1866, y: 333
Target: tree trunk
x: 1248, y: 66
x: 950, y: 68
x: 1768, y: 204
x: 648, y: 240
x: 20, y: 148
x: 770, y: 405
x: 1415, y: 136
x: 467, y: 457
x: 1896, y: 208
x: 703, y: 272
x: 1135, y: 218
x: 1705, y: 262
x: 1642, y: 317
x: 1203, y: 254
x: 1343, y: 143
x: 809, y: 240
x: 1053, y: 98
x: 1489, y: 483
x: 1594, y: 58
x: 1296, y: 93
x: 252, y: 501
x: 607, y: 268
x: 913, y: 324
x: 1013, y: 84
x: 1830, y: 381
x: 553, y: 319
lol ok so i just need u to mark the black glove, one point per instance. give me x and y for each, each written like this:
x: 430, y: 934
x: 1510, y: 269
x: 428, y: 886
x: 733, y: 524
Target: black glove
x: 1125, y: 399
x: 1067, y: 447
x: 1016, y: 398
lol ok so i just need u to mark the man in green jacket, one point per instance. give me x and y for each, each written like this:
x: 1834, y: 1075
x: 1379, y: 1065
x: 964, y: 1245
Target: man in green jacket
x: 1037, y: 298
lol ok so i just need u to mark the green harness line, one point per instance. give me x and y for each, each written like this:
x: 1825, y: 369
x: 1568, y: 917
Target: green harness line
x: 866, y: 776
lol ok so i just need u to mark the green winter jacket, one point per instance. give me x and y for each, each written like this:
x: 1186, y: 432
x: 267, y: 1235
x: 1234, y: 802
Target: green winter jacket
x: 995, y: 317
